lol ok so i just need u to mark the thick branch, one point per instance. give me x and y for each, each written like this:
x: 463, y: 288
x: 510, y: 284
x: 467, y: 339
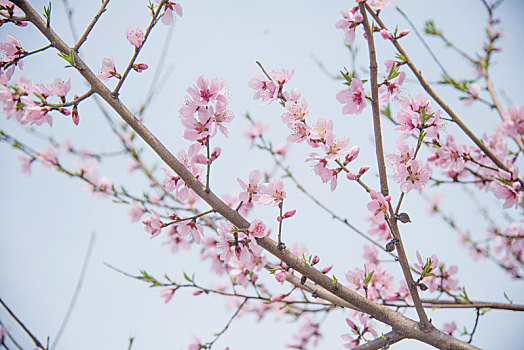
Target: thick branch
x: 404, y: 263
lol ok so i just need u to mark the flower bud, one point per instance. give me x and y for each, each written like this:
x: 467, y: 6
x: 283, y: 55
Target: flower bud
x: 139, y: 67
x: 74, y: 115
x: 327, y: 269
x: 315, y: 260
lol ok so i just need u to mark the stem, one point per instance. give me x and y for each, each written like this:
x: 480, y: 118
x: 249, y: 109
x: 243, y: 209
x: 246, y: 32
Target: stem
x: 374, y: 104
x: 83, y: 38
x: 208, y: 168
x: 137, y: 50
x: 382, y: 342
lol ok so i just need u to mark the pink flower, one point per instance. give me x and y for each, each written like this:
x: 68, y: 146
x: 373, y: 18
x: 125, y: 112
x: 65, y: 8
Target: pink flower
x: 380, y: 4
x: 12, y: 49
x: 167, y: 294
x: 250, y: 190
x: 257, y: 229
x: 153, y: 225
x: 170, y: 7
x: 391, y: 88
x: 450, y: 157
x: 379, y: 207
x: 108, y: 69
x: 355, y: 98
x: 26, y: 163
x: 349, y: 23
x: 426, y: 267
x: 272, y: 192
x: 280, y: 276
x: 265, y: 88
x: 449, y: 327
x: 204, y: 91
x: 268, y: 89
x: 135, y: 36
x: 514, y: 121
x: 295, y: 111
x: 135, y: 212
x: 508, y: 188
x: 255, y: 131
x: 474, y: 91
x: 413, y: 176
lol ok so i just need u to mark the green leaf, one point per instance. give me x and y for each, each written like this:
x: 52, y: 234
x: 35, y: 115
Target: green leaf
x: 190, y: 280
x: 431, y: 29
x: 507, y: 298
x: 347, y: 76
x: 368, y: 277
x: 386, y: 111
x: 69, y: 58
x: 47, y: 13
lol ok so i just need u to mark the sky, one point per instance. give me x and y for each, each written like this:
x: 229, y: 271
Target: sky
x: 48, y: 219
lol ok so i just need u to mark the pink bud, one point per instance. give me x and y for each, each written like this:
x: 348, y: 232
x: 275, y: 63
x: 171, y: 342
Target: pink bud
x: 200, y: 159
x: 327, y: 269
x: 403, y: 33
x: 353, y: 153
x: 254, y: 277
x: 289, y: 213
x: 74, y: 115
x: 351, y: 176
x: 315, y: 260
x: 216, y: 153
x: 280, y: 276
x: 362, y: 171
x: 198, y: 292
x: 64, y: 111
x: 386, y: 34
x: 139, y: 67
x: 277, y: 297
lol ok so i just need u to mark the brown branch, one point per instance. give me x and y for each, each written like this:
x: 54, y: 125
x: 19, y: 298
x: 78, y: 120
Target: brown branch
x: 83, y: 38
x: 382, y: 342
x: 137, y: 50
x: 392, y: 222
x: 406, y: 326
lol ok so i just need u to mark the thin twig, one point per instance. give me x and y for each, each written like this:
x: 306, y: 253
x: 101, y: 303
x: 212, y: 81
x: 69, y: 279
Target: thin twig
x: 137, y: 50
x: 28, y: 332
x: 91, y: 25
x: 432, y: 54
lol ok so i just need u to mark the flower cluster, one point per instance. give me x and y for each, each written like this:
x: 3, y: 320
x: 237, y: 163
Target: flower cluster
x: 320, y: 136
